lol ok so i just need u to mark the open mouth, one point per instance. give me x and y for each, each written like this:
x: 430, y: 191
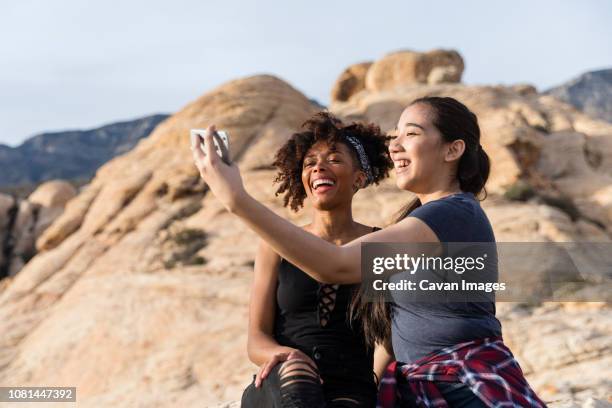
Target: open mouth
x: 322, y: 184
x: 401, y: 165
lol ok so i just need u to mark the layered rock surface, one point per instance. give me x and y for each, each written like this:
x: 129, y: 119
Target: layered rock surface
x: 23, y: 221
x: 139, y: 294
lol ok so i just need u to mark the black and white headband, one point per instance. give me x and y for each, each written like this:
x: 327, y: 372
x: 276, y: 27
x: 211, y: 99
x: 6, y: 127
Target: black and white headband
x: 363, y: 158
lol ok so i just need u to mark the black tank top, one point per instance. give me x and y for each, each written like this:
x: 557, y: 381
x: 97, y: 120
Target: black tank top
x: 307, y: 320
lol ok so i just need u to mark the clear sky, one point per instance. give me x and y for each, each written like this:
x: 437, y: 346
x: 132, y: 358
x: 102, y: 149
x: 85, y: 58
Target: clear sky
x: 68, y: 64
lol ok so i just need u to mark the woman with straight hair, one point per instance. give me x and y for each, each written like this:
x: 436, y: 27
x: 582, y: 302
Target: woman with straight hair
x: 449, y: 354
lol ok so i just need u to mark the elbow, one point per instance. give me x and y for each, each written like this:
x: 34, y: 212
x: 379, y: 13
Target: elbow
x: 338, y: 276
x: 344, y: 270
x: 251, y: 350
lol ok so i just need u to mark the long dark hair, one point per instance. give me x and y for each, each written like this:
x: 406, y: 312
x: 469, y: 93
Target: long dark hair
x: 454, y: 121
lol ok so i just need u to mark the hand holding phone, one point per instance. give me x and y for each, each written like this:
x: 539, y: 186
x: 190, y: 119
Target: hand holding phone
x: 197, y: 139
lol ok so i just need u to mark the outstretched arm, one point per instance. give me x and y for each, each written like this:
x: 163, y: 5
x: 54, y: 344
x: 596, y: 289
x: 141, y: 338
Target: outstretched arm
x: 320, y: 259
x: 324, y: 261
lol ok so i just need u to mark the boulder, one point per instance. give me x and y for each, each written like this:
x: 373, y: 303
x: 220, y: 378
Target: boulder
x: 410, y: 67
x: 350, y: 81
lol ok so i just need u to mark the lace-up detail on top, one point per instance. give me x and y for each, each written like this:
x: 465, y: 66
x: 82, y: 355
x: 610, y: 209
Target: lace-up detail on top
x: 327, y: 301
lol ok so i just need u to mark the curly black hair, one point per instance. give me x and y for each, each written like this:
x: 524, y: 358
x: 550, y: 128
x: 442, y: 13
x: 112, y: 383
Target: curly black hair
x: 324, y: 126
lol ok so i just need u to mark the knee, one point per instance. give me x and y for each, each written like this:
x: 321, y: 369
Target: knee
x: 300, y: 385
x: 296, y: 370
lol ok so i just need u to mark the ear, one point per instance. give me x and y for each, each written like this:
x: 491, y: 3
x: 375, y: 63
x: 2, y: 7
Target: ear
x: 360, y: 181
x: 454, y: 150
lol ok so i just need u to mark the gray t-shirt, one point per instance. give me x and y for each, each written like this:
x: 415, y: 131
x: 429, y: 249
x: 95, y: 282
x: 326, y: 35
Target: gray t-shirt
x: 419, y: 329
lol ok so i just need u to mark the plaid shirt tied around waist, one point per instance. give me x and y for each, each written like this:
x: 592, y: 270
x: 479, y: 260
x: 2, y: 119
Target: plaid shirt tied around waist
x: 486, y: 366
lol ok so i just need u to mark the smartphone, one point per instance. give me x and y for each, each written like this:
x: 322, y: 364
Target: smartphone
x: 197, y: 138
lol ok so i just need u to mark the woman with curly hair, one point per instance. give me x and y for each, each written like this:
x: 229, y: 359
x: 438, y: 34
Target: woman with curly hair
x: 300, y: 331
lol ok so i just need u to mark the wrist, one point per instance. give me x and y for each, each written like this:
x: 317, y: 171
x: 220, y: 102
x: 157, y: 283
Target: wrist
x: 238, y: 202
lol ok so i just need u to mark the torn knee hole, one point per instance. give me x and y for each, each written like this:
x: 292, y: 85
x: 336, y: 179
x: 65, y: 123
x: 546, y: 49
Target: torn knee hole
x: 345, y: 399
x: 296, y: 381
x: 292, y: 366
x: 297, y: 372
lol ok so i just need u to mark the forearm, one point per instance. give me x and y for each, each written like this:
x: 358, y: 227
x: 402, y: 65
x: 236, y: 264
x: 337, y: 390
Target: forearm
x: 324, y: 261
x: 262, y: 347
x: 382, y: 358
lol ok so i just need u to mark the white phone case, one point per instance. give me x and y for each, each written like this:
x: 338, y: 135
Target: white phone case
x: 201, y: 132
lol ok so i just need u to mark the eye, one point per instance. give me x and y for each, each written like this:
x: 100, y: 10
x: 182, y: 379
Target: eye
x: 334, y: 159
x: 308, y: 163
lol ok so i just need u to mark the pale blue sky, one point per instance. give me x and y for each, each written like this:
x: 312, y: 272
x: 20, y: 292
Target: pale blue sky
x: 68, y: 64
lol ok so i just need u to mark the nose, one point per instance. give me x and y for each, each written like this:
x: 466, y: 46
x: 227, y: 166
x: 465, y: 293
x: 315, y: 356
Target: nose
x: 318, y: 167
x: 394, y: 145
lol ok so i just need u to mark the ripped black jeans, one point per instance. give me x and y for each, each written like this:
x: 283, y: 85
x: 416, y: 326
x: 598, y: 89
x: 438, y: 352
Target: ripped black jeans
x: 347, y: 383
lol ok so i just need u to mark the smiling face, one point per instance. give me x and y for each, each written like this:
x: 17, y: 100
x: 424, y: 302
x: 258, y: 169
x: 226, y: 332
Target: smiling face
x: 418, y: 151
x: 329, y: 174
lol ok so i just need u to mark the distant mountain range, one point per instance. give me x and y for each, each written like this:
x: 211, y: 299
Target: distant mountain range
x: 73, y: 155
x: 591, y: 92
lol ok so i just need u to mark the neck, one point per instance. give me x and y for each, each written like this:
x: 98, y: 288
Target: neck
x: 438, y: 192
x: 333, y: 225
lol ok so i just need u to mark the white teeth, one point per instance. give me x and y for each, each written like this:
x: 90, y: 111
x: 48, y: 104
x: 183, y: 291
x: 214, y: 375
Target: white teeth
x: 402, y: 163
x: 319, y: 182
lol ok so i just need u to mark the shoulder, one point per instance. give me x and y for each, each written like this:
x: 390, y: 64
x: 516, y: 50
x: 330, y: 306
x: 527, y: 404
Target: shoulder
x: 266, y: 253
x: 464, y: 204
x: 453, y: 218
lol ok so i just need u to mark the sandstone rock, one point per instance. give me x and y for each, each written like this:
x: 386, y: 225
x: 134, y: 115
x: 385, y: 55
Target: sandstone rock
x: 139, y: 294
x: 409, y: 67
x: 153, y: 330
x: 588, y: 403
x: 23, y: 232
x: 350, y: 81
x: 572, y: 353
x: 556, y: 149
x: 51, y: 197
x: 234, y: 404
x: 69, y: 221
x: 7, y: 209
x: 524, y: 89
x: 55, y: 193
x: 31, y: 217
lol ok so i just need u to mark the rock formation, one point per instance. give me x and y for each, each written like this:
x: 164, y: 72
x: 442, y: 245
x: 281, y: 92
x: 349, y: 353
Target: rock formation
x: 23, y: 221
x: 138, y: 296
x: 398, y: 69
x: 351, y: 81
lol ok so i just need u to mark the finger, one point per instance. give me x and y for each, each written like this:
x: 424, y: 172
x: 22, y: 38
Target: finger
x: 258, y: 376
x: 268, y: 367
x: 196, y: 146
x: 209, y: 146
x: 196, y: 151
x: 265, y: 369
x: 224, y: 152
